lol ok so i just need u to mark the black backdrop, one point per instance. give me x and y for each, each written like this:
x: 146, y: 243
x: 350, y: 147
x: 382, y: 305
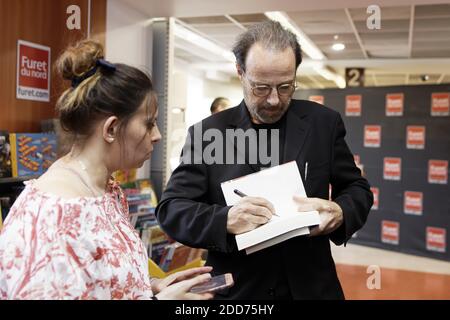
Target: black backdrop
x: 424, y: 233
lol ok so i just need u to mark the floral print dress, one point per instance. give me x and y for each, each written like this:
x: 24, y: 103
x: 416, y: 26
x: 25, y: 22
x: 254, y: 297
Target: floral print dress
x: 80, y: 248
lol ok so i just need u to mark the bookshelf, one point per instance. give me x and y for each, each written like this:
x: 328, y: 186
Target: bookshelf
x: 166, y: 255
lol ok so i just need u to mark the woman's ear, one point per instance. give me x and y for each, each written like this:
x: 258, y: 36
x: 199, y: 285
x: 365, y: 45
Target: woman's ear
x: 110, y: 129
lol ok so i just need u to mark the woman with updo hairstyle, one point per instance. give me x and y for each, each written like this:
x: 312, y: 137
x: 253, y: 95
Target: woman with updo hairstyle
x: 68, y: 234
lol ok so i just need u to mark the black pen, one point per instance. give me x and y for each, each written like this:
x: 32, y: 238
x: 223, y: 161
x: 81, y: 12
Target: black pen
x: 241, y: 194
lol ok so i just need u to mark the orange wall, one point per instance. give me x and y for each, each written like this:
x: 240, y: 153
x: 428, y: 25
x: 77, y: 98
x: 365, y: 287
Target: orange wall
x: 42, y: 22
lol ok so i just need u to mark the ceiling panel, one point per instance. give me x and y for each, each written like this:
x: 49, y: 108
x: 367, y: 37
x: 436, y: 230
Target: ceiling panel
x: 321, y: 22
x: 430, y: 39
x: 390, y: 79
x: 397, y: 25
x: 248, y: 19
x: 432, y: 24
x: 436, y: 35
x: 432, y: 11
x: 205, y: 20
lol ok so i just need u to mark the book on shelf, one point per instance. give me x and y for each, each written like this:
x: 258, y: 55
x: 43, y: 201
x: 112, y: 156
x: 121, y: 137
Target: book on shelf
x: 139, y: 192
x: 155, y: 240
x: 164, y: 251
x: 177, y: 255
x: 32, y: 153
x: 278, y: 185
x: 180, y: 257
x: 166, y: 257
x: 125, y: 176
x: 144, y: 217
x: 5, y: 155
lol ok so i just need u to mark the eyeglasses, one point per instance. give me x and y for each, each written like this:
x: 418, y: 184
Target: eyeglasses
x: 264, y: 90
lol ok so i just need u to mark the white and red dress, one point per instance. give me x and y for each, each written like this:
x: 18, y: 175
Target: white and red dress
x: 80, y: 248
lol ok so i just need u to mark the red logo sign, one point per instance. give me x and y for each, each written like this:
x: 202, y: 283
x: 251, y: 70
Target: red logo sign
x: 318, y: 99
x: 415, y: 137
x: 436, y: 239
x: 353, y: 105
x: 390, y: 232
x: 440, y: 104
x: 33, y: 71
x: 413, y: 202
x: 392, y: 168
x: 372, y: 136
x: 437, y: 171
x: 376, y: 197
x: 394, y: 104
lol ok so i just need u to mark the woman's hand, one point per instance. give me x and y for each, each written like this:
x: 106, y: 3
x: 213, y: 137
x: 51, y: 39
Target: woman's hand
x: 160, y: 284
x: 180, y: 289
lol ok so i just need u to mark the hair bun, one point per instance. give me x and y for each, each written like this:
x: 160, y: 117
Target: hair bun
x: 78, y: 59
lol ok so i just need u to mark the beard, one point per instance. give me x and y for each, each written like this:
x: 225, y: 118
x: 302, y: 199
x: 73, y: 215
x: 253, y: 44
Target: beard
x: 266, y: 113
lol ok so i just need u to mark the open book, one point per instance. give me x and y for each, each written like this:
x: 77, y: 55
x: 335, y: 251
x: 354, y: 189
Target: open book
x: 278, y: 185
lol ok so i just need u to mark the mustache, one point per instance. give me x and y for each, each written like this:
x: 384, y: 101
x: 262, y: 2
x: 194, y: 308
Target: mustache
x: 280, y: 106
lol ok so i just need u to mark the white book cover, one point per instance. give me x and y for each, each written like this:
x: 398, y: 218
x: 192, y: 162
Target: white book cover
x: 278, y: 185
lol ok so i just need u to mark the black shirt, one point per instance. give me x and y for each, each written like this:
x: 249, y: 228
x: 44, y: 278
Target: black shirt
x: 270, y: 127
x: 281, y: 289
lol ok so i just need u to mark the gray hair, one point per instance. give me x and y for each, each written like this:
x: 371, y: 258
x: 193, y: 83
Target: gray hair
x: 271, y: 35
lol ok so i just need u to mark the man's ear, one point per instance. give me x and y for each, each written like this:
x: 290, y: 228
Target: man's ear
x: 239, y: 70
x: 110, y: 129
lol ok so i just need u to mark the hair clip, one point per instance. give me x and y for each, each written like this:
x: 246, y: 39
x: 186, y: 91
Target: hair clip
x: 100, y: 63
x: 77, y: 80
x: 106, y: 64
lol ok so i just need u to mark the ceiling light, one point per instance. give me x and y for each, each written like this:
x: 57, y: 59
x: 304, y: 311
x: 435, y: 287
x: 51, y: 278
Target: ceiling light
x: 200, y: 41
x: 338, y: 46
x: 307, y: 45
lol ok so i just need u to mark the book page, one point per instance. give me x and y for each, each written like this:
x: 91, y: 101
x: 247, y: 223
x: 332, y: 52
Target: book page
x: 277, y: 184
x: 276, y: 240
x: 277, y: 226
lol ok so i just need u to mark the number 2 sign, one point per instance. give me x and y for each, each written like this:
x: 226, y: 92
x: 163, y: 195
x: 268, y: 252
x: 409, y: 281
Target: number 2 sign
x: 354, y: 77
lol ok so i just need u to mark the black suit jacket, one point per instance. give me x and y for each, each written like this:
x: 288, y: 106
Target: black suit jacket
x: 193, y: 210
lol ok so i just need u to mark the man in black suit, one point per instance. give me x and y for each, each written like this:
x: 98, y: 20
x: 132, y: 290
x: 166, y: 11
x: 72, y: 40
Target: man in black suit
x: 193, y: 210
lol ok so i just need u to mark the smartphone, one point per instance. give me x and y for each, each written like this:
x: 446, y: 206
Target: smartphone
x: 214, y: 284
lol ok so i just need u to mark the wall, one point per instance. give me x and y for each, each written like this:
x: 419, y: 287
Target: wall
x: 413, y: 208
x: 127, y: 40
x: 42, y: 22
x: 194, y: 94
x: 202, y: 92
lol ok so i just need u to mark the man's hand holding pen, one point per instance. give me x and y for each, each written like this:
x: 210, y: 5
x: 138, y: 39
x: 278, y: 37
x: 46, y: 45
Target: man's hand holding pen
x: 248, y: 214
